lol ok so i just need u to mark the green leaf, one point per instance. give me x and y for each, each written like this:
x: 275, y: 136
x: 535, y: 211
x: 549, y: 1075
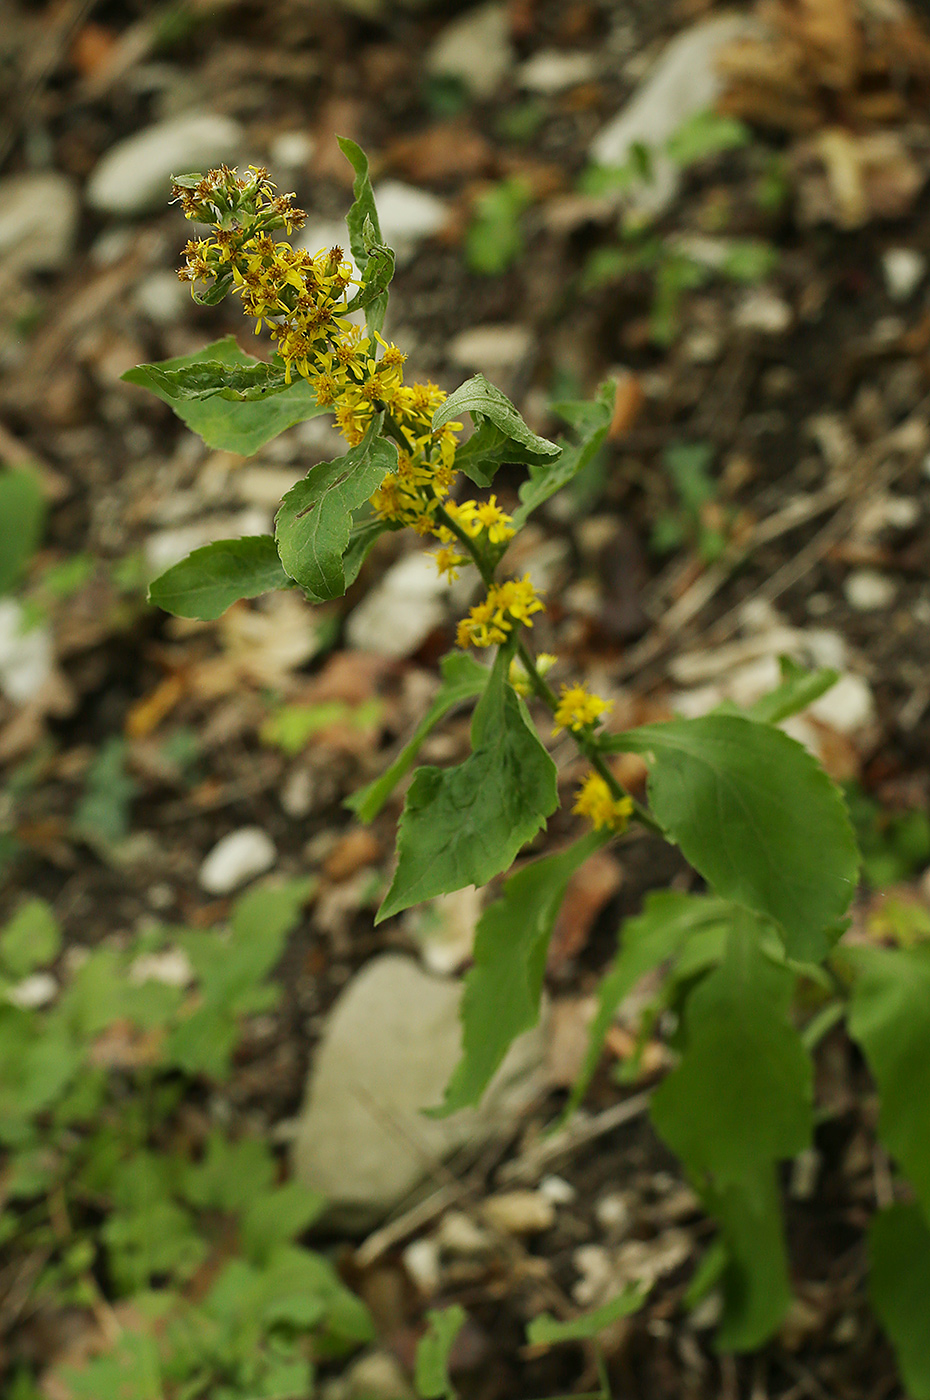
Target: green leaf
x: 31, y: 939
x: 313, y: 526
x: 209, y: 378
x: 231, y: 427
x: 545, y: 1330
x: 899, y: 1247
x: 211, y: 579
x: 757, y: 817
x: 706, y: 134
x: 798, y: 689
x: 131, y: 1370
x: 740, y: 1102
x: 463, y: 680
x: 374, y: 259
x: 488, y: 448
x: 545, y: 480
x: 431, y: 1377
x: 890, y: 1018
x: 231, y: 1176
x: 668, y: 920
x: 277, y: 1217
x: 503, y: 989
x: 483, y: 401
x: 464, y: 825
x: 103, y: 813
x: 22, y: 520
x: 362, y: 536
x: 494, y: 238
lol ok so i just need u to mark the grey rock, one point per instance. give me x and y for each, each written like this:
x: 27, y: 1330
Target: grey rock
x: 407, y: 216
x: 867, y: 590
x: 475, y: 48
x: 388, y: 1050
x: 399, y: 613
x: 491, y: 347
x: 134, y: 175
x: 236, y: 859
x: 162, y: 298
x: 683, y: 82
x: 38, y: 219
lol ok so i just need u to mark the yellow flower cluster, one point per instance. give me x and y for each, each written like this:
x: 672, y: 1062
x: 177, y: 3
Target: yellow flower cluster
x: 604, y: 811
x: 489, y: 623
x: 578, y: 708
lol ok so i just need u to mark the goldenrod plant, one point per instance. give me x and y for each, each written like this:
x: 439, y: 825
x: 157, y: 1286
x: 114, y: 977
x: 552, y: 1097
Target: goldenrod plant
x: 749, y: 808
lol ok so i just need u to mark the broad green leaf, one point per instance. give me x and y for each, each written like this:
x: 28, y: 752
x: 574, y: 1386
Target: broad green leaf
x: 545, y: 480
x: 231, y: 427
x: 890, y: 1018
x: 314, y: 524
x: 22, y: 520
x: 503, y: 989
x: 131, y: 1370
x: 211, y: 579
x: 231, y: 1176
x: 757, y: 817
x: 668, y: 920
x: 798, y: 689
x: 706, y: 134
x: 31, y: 939
x: 432, y: 1363
x: 899, y: 1246
x: 276, y: 1217
x: 739, y: 1102
x: 464, y: 825
x: 545, y: 1330
x: 375, y: 261
x: 488, y: 448
x: 483, y: 401
x: 209, y: 378
x: 463, y: 679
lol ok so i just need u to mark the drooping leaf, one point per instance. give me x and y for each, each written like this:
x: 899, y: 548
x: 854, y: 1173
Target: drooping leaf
x: 899, y: 1247
x: 483, y: 401
x: 547, y: 1331
x: 22, y: 520
x: 668, y: 919
x: 503, y: 989
x: 242, y: 427
x: 739, y: 1102
x: 211, y: 579
x: 549, y: 477
x: 314, y: 524
x: 488, y: 448
x: 374, y: 259
x: 798, y: 689
x: 757, y: 816
x: 463, y: 679
x: 31, y: 939
x: 890, y: 1018
x: 209, y: 378
x: 433, y: 1350
x: 464, y: 825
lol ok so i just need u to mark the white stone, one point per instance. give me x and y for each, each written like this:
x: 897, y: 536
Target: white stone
x: 34, y: 991
x: 614, y: 1212
x: 171, y: 967
x: 476, y: 49
x: 388, y: 1049
x: 377, y: 1376
x: 904, y: 270
x: 458, y: 1234
x: 596, y: 1272
x: 445, y: 929
x: 557, y: 1190
x: 26, y: 654
x: 407, y: 216
x: 399, y: 613
x: 236, y: 859
x: 519, y: 1212
x: 421, y: 1260
x: 551, y: 70
x: 867, y: 590
x: 163, y: 548
x: 847, y: 706
x: 292, y: 149
x: 135, y: 175
x: 162, y: 298
x: 38, y: 219
x: 683, y: 82
x: 761, y: 310
x: 491, y: 347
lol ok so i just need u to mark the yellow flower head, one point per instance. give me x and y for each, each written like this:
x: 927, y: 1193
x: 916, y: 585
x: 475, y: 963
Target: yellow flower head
x: 491, y: 621
x: 604, y: 811
x: 578, y: 708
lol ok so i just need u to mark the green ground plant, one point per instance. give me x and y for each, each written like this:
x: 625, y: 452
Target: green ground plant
x: 755, y: 966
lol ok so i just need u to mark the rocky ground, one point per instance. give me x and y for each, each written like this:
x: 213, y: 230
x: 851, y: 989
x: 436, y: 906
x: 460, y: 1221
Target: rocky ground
x: 765, y: 492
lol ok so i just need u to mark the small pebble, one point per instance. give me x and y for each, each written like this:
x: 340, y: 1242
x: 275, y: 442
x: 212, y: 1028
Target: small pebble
x: 172, y: 968
x: 847, y: 706
x: 25, y: 654
x: 904, y: 270
x: 458, y: 1234
x: 491, y: 347
x: 421, y: 1260
x: 867, y: 590
x: 34, y: 991
x: 761, y: 310
x: 613, y: 1212
x: 292, y: 149
x: 519, y: 1212
x: 236, y: 859
x: 557, y: 1190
